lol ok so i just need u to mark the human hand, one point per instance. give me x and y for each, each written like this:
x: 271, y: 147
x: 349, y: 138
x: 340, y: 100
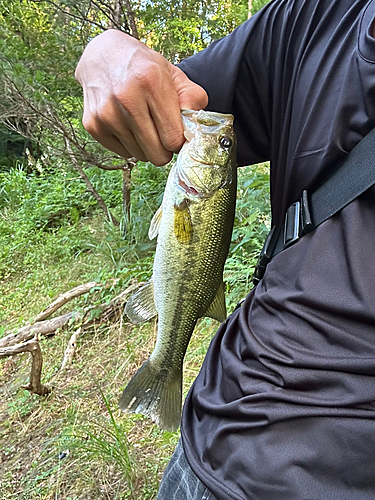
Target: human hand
x: 133, y: 97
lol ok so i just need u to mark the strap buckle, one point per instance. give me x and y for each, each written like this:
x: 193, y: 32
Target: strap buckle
x: 265, y: 256
x: 297, y: 222
x: 292, y: 224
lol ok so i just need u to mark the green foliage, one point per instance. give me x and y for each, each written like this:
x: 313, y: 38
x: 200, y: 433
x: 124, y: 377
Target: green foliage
x: 39, y: 49
x: 179, y: 29
x: 40, y: 98
x: 38, y: 219
x: 251, y: 226
x: 128, y: 249
x: 106, y: 440
x: 258, y: 4
x: 48, y: 221
x: 38, y: 262
x: 53, y: 237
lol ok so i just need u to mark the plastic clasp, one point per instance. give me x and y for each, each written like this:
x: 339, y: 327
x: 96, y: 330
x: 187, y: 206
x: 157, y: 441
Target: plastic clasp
x: 292, y: 224
x: 265, y: 256
x: 297, y: 220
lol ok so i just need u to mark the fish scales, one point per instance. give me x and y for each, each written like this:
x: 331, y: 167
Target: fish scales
x: 194, y: 227
x: 198, y: 270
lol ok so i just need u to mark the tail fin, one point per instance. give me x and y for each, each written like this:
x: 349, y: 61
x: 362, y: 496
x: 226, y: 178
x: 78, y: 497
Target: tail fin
x: 150, y: 393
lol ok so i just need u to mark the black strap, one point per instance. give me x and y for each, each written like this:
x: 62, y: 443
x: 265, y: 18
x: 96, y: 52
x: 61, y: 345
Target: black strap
x: 355, y: 175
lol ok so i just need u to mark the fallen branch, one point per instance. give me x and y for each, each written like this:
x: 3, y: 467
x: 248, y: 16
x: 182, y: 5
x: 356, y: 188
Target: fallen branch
x: 106, y: 313
x: 64, y: 298
x: 42, y: 328
x: 70, y: 350
x: 32, y: 346
x: 111, y: 311
x: 25, y: 338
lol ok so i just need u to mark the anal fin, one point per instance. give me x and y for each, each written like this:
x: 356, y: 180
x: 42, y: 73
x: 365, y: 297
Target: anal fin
x: 217, y: 309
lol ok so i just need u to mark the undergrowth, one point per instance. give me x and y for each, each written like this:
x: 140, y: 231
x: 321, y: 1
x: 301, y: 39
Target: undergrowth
x: 74, y: 444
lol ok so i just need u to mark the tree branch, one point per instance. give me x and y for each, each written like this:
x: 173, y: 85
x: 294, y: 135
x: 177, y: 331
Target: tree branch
x: 32, y: 346
x: 42, y: 327
x: 107, y: 312
x: 70, y: 350
x: 90, y: 187
x: 63, y: 299
x: 131, y: 18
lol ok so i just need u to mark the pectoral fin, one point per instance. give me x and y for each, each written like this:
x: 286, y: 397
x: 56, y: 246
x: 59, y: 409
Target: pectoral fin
x: 217, y: 310
x: 141, y: 305
x: 183, y: 226
x: 155, y: 223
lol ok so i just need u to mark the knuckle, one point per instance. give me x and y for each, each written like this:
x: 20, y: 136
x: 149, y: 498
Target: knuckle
x: 202, y: 97
x: 103, y: 113
x: 162, y: 158
x: 89, y: 124
x: 173, y: 140
x: 148, y: 75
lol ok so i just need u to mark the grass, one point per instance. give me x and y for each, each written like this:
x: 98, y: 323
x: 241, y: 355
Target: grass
x: 106, y: 454
x: 74, y: 443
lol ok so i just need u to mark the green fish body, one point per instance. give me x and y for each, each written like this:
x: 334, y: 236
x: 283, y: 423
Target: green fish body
x: 194, y: 226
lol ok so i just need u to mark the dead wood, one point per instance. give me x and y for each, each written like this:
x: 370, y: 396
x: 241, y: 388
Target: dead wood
x: 70, y: 350
x: 42, y: 327
x: 32, y: 346
x: 63, y: 299
x: 126, y: 185
x: 25, y: 338
x: 107, y: 313
x: 104, y: 313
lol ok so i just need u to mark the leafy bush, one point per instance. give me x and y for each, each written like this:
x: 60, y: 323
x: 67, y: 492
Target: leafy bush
x: 48, y: 218
x: 251, y: 226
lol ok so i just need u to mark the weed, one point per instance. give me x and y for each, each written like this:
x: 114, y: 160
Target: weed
x: 251, y: 226
x: 105, y: 440
x: 52, y: 238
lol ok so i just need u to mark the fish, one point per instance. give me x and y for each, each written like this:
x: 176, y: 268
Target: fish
x: 193, y: 227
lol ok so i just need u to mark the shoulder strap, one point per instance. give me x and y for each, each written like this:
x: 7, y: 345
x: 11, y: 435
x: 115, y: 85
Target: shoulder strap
x: 352, y: 178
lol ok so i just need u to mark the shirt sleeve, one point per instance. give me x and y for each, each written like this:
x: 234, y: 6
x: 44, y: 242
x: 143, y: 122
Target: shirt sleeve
x: 237, y: 73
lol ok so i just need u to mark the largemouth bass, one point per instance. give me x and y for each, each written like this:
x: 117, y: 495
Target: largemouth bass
x: 194, y: 226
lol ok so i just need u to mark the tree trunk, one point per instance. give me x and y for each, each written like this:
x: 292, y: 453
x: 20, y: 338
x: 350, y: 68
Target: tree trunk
x: 126, y: 181
x: 126, y: 187
x: 131, y: 19
x: 90, y: 187
x: 249, y: 8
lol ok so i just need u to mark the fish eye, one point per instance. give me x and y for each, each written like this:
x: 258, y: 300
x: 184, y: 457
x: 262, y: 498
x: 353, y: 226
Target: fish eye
x: 225, y: 142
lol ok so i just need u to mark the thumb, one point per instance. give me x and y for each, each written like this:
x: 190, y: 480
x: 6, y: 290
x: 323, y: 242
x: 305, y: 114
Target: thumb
x: 190, y: 94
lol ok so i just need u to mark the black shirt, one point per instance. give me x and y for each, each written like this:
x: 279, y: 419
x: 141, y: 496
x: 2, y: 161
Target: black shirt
x: 284, y: 405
